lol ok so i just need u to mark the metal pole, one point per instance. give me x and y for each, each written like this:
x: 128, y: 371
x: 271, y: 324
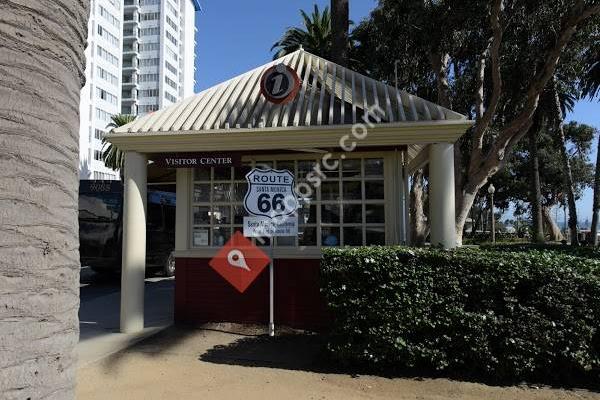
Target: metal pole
x: 271, y: 292
x: 493, y: 220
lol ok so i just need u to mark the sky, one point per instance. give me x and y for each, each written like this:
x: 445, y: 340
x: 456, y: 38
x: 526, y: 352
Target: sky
x: 235, y: 36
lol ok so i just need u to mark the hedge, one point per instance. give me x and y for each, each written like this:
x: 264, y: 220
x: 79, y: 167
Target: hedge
x: 485, y: 314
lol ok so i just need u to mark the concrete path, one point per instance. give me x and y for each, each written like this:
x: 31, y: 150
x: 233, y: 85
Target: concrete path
x: 99, y: 314
x: 222, y: 363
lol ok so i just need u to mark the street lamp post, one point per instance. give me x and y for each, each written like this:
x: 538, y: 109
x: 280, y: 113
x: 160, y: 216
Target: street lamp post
x: 491, y: 190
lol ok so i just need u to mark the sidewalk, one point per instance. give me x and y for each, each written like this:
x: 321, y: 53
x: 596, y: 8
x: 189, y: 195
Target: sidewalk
x: 219, y: 363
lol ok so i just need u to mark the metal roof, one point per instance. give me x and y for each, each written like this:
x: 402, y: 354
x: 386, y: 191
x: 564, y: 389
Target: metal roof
x: 329, y: 95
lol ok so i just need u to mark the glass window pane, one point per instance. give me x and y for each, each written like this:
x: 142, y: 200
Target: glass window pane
x: 353, y: 236
x: 221, y: 215
x: 222, y: 173
x: 352, y: 190
x: 221, y: 235
x: 330, y: 190
x: 331, y: 168
x: 264, y: 164
x: 202, y: 174
x: 222, y: 192
x: 375, y: 213
x: 201, y: 215
x: 305, y: 191
x: 286, y: 241
x: 239, y: 173
x: 307, y: 213
x: 351, y: 168
x: 201, y: 193
x: 330, y: 236
x: 330, y: 213
x: 375, y: 236
x: 307, y: 236
x: 304, y: 167
x: 352, y: 213
x: 374, y: 190
x: 239, y: 189
x: 200, y: 237
x: 238, y: 214
x: 374, y: 167
x: 263, y: 242
x: 289, y: 165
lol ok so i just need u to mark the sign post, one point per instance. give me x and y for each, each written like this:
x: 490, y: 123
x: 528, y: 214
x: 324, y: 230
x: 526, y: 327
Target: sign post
x: 271, y: 203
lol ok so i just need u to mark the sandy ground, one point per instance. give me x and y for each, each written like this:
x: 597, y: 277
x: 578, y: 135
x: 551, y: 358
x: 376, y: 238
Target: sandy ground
x: 219, y: 363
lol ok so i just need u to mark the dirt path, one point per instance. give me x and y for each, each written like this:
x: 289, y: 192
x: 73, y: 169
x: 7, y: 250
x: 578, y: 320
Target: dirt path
x: 218, y: 365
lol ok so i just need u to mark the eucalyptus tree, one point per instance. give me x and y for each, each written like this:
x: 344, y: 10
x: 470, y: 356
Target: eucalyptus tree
x: 491, y: 60
x: 41, y: 74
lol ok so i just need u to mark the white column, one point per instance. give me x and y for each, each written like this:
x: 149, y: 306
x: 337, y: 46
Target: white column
x: 182, y: 220
x: 134, y: 243
x: 441, y: 200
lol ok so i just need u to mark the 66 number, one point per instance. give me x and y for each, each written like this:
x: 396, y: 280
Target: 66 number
x: 266, y: 204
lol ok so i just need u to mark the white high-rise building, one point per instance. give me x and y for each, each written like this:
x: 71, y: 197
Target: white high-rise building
x: 158, y: 53
x: 140, y: 57
x: 101, y: 95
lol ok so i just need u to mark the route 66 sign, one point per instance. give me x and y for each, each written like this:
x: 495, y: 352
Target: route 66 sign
x: 280, y: 84
x: 270, y: 193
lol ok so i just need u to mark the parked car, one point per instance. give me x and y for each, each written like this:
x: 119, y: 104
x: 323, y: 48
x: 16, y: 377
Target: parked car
x: 101, y: 226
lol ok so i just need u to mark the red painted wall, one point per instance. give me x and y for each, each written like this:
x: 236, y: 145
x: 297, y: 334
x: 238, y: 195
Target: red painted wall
x: 202, y: 295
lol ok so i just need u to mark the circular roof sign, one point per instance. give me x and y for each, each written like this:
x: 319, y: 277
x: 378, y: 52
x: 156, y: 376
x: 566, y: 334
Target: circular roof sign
x: 279, y: 84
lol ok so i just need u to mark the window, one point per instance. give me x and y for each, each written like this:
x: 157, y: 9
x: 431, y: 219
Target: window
x: 106, y: 96
x: 149, y: 2
x: 99, y: 134
x: 109, y: 17
x: 149, y: 46
x: 171, y: 82
x: 147, y: 108
x: 109, y: 37
x: 148, y: 93
x: 171, y: 38
x: 107, y: 76
x: 172, y: 9
x: 171, y: 23
x: 348, y: 209
x: 115, y: 3
x: 148, y: 62
x: 171, y: 53
x: 152, y: 16
x: 171, y: 68
x: 102, y: 115
x: 97, y: 155
x: 148, y: 77
x: 170, y: 97
x: 150, y: 31
x: 108, y: 56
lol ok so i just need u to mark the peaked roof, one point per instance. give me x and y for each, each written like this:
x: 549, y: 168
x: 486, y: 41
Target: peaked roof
x: 329, y: 95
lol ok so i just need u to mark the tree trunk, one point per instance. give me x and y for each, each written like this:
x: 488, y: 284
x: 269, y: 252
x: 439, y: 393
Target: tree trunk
x: 417, y: 210
x: 555, y: 233
x: 596, y: 202
x: 41, y: 74
x: 340, y: 21
x: 535, y: 187
x: 573, y: 229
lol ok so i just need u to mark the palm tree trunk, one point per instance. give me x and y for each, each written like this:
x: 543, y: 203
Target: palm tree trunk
x: 596, y: 203
x: 340, y: 22
x: 535, y: 186
x: 573, y: 229
x: 41, y: 74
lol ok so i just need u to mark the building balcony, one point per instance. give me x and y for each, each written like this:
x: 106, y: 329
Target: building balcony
x: 129, y: 79
x: 129, y: 97
x: 131, y: 4
x: 131, y: 65
x: 131, y: 34
x: 129, y: 19
x: 130, y: 49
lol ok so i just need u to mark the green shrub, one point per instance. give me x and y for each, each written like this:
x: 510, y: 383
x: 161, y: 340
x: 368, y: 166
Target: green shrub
x: 472, y: 313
